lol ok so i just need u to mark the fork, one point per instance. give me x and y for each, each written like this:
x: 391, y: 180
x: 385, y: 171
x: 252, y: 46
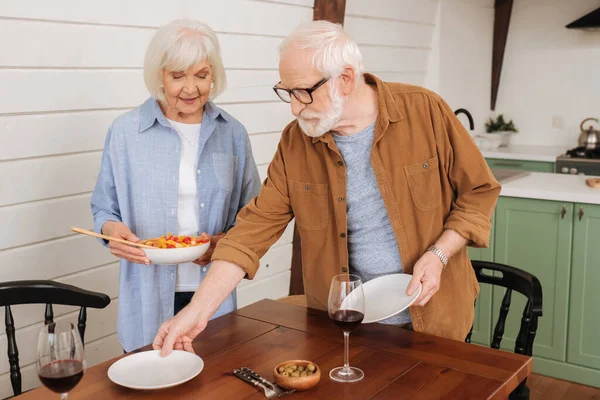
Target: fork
x: 271, y: 390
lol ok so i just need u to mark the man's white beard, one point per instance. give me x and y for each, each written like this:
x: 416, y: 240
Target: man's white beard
x: 327, y: 120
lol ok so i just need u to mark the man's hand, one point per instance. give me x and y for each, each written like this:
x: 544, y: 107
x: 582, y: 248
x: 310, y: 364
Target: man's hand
x: 428, y: 271
x: 205, y: 259
x: 178, y: 332
x: 126, y: 252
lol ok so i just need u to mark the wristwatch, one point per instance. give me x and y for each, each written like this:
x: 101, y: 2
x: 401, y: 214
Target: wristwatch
x: 439, y: 253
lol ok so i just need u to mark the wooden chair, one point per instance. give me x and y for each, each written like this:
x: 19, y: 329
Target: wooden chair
x: 296, y: 296
x: 514, y: 279
x: 43, y: 292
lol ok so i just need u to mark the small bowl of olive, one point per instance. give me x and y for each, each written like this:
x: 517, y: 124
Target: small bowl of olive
x: 297, y: 374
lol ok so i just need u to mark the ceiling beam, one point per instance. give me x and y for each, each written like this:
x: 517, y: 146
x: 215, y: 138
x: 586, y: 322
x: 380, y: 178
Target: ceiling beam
x: 330, y: 10
x: 502, y: 11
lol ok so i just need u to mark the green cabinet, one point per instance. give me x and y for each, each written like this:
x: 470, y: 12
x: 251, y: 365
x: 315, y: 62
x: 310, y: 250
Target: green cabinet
x: 584, y: 319
x: 559, y: 242
x: 535, y: 236
x: 524, y: 165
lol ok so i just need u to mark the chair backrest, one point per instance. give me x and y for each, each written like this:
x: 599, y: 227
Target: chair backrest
x: 43, y: 292
x: 513, y: 279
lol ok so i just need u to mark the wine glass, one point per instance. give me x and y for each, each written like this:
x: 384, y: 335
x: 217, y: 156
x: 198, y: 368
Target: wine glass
x: 60, y: 359
x: 347, y: 309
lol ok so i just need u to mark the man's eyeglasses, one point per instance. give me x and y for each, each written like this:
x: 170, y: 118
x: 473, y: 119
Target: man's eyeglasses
x: 304, y: 96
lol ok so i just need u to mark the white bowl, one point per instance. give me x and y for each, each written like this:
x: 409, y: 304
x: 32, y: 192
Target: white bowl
x: 178, y: 255
x: 488, y: 141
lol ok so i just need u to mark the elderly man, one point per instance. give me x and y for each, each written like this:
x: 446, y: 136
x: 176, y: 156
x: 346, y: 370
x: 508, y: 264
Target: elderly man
x: 381, y: 178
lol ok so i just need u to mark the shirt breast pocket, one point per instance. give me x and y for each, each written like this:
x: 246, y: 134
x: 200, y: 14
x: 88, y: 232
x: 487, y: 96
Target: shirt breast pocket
x: 310, y: 203
x: 424, y: 183
x: 225, y: 166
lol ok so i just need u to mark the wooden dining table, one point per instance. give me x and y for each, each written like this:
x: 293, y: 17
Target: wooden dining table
x: 398, y: 363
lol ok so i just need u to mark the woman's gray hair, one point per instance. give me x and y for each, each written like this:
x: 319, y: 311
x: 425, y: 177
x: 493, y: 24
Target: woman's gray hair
x: 176, y: 47
x: 332, y: 48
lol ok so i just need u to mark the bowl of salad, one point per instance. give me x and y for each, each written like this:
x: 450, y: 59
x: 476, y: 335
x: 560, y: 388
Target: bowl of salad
x: 171, y: 249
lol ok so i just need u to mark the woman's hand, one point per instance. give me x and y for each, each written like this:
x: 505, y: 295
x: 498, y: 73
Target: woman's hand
x: 205, y: 259
x: 126, y: 252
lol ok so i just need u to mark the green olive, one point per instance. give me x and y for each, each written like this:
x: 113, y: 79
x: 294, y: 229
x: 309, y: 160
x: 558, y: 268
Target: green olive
x: 296, y: 374
x: 293, y: 367
x: 281, y: 369
x: 289, y: 370
x: 301, y: 368
x: 284, y: 373
x: 309, y: 373
x: 311, y: 367
x: 303, y: 373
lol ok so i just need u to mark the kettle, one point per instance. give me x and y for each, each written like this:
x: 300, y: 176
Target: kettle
x: 590, y: 138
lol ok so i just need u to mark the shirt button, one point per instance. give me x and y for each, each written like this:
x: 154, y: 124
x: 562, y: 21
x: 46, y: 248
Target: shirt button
x: 340, y: 199
x: 425, y: 165
x: 307, y: 187
x: 198, y: 171
x: 342, y: 235
x: 203, y: 269
x: 340, y: 163
x: 344, y: 269
x: 202, y: 205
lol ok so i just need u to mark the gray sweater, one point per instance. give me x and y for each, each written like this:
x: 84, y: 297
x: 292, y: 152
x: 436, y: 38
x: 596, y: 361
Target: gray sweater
x: 372, y: 247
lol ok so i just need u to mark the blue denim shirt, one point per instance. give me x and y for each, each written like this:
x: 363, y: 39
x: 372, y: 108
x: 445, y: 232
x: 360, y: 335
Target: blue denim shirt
x: 138, y: 185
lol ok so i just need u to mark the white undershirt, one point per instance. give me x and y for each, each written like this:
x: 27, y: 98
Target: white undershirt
x: 188, y: 274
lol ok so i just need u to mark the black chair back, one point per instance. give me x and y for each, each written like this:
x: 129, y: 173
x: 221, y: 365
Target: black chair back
x: 514, y: 279
x: 43, y: 292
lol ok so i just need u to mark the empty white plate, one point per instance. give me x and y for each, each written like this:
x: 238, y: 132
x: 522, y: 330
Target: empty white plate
x: 385, y: 297
x: 148, y: 370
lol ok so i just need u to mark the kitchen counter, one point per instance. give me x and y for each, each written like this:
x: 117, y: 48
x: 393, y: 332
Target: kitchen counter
x: 529, y: 153
x: 559, y: 187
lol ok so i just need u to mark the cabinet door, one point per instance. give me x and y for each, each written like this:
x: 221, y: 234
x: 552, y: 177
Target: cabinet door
x: 584, y: 320
x: 535, y: 236
x: 524, y: 165
x: 482, y: 331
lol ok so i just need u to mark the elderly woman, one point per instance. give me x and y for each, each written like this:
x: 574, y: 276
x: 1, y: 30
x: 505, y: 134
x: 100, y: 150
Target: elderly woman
x: 177, y: 163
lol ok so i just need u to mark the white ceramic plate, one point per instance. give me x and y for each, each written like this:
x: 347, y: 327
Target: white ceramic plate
x: 176, y: 256
x: 149, y: 371
x: 385, y: 297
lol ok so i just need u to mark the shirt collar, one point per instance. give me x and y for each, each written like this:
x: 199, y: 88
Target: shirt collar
x: 388, y: 108
x: 151, y: 112
x: 387, y: 104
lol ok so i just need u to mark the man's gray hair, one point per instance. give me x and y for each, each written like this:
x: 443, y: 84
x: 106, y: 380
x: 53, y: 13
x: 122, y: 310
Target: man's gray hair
x: 176, y: 47
x: 332, y: 48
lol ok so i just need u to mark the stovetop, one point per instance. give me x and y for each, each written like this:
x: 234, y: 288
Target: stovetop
x: 579, y: 161
x: 583, y: 153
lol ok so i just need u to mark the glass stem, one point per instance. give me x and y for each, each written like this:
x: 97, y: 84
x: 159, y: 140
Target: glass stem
x: 64, y: 396
x: 346, y: 350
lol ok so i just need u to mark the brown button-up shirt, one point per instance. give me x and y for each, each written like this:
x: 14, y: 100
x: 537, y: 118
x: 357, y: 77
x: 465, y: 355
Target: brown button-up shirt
x: 431, y: 175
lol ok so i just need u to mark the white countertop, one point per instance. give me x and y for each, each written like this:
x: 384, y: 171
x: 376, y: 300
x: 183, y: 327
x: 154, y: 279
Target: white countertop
x: 546, y: 186
x: 530, y: 153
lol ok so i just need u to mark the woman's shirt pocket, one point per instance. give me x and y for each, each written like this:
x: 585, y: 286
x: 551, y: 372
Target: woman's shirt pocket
x: 225, y: 166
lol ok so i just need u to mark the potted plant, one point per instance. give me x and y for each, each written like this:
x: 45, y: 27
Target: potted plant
x: 500, y: 127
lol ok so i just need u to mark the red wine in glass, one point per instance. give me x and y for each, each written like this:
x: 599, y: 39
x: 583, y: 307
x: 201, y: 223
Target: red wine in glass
x: 346, y: 308
x: 60, y: 357
x: 347, y: 320
x: 61, y: 376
